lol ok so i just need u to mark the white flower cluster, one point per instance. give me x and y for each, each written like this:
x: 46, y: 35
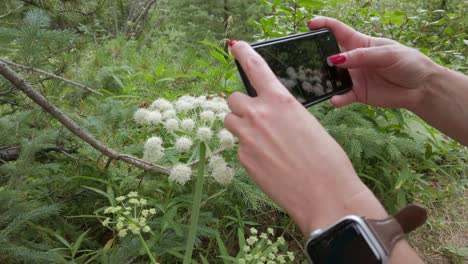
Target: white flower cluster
x: 188, y: 122
x: 153, y: 150
x: 220, y: 170
x: 261, y: 249
x: 129, y: 215
x: 144, y: 116
x: 180, y: 173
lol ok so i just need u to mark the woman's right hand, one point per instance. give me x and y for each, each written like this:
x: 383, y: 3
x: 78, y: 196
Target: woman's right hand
x: 388, y: 74
x: 384, y: 72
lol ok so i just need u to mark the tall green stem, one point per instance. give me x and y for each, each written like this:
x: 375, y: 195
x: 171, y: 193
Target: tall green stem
x: 196, y: 205
x: 148, y: 252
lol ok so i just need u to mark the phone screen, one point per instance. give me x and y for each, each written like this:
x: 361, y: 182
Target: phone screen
x: 300, y: 64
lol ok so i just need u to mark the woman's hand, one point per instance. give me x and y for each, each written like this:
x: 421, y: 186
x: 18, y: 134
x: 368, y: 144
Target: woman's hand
x: 293, y: 159
x: 388, y: 74
x: 384, y: 72
x: 290, y: 155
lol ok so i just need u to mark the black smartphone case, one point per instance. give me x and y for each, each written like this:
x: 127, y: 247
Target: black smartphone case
x: 338, y: 74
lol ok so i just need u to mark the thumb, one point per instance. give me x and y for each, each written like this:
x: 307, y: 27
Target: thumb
x: 373, y: 57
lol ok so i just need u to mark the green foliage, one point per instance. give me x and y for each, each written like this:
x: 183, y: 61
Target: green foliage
x: 379, y: 142
x: 182, y: 50
x: 33, y: 42
x: 18, y: 215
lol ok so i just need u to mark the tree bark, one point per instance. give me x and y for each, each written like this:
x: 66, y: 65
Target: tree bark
x: 12, y: 152
x: 137, y: 16
x: 443, y: 5
x: 227, y: 25
x: 50, y: 108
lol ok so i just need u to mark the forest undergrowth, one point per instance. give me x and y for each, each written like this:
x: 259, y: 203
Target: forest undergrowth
x: 149, y: 79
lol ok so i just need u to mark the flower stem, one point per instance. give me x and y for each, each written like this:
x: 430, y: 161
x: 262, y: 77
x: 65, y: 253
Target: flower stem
x: 148, y: 252
x: 196, y: 205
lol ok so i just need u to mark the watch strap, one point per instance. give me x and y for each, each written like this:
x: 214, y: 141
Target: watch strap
x: 390, y: 230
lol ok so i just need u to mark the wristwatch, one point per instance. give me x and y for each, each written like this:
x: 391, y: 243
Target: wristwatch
x: 359, y: 240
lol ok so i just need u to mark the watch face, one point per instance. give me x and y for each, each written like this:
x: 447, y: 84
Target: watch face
x: 344, y: 243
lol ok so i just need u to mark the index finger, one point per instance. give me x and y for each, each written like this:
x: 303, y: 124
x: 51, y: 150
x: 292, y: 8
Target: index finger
x: 346, y: 37
x: 259, y: 73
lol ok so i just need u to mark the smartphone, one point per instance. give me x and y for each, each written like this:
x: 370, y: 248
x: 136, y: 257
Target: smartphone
x: 300, y: 63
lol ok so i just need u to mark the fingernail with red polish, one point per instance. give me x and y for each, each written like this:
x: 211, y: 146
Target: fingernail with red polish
x: 308, y: 23
x: 232, y: 42
x: 336, y: 59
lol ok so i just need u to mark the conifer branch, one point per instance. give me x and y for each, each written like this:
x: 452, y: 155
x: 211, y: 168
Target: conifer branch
x: 50, y: 108
x: 82, y: 86
x: 11, y: 11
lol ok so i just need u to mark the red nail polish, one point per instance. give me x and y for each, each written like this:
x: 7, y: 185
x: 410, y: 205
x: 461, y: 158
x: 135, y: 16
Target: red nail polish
x: 308, y: 23
x: 232, y: 42
x: 337, y: 59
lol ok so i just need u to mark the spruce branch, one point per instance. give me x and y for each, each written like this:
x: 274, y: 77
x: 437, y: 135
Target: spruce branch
x: 7, y: 91
x: 50, y: 108
x: 11, y: 11
x: 82, y: 86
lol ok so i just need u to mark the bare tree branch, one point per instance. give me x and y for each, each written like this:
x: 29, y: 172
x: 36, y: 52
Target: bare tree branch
x: 51, y: 75
x: 39, y: 99
x: 137, y: 16
x: 12, y: 152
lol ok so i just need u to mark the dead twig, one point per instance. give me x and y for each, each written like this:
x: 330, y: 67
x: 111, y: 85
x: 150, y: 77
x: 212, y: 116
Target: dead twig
x: 12, y: 152
x: 50, y: 108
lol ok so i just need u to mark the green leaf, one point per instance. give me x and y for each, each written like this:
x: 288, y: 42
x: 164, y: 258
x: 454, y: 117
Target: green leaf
x: 366, y: 5
x: 202, y: 76
x: 110, y: 195
x: 461, y: 252
x: 405, y: 174
x: 97, y: 191
x: 77, y: 243
x: 218, y: 48
x: 439, y: 22
x: 449, y: 31
x: 222, y: 247
x: 63, y: 240
x: 92, y: 179
x: 203, y: 259
x: 241, y: 237
x: 311, y: 3
x: 219, y: 57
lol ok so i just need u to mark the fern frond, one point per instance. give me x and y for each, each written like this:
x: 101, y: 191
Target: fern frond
x: 34, y: 215
x: 350, y: 115
x: 30, y: 255
x: 254, y: 198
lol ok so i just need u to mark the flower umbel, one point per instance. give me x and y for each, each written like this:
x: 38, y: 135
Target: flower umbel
x: 153, y: 151
x: 180, y: 173
x: 264, y: 249
x: 182, y: 125
x: 129, y: 215
x: 183, y: 144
